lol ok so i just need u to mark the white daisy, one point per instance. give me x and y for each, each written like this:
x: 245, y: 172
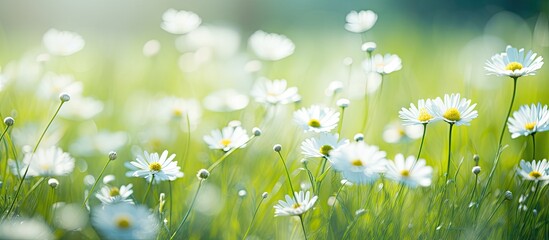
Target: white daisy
x: 273, y: 92
x: 52, y: 85
x: 535, y: 170
x: 124, y: 221
x: 271, y: 46
x: 382, y: 64
x: 529, y: 120
x: 359, y: 22
x: 295, y: 207
x: 316, y: 119
x: 179, y: 22
x: 177, y: 109
x: 395, y: 132
x: 62, y: 43
x: 454, y: 109
x: 225, y: 100
x: 359, y: 163
x: 112, y: 195
x: 514, y: 63
x: 227, y: 138
x: 81, y: 108
x: 25, y: 228
x: 417, y: 115
x: 322, y: 145
x: 149, y: 165
x: 409, y: 171
x: 47, y: 162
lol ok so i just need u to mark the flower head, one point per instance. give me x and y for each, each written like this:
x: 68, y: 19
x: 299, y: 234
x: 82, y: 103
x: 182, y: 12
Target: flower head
x: 273, y: 92
x: 417, y: 115
x: 62, y: 43
x: 179, y: 22
x: 317, y: 119
x: 47, y: 162
x: 395, y: 132
x: 112, y: 195
x: 322, y: 145
x: 535, y: 170
x: 161, y: 167
x: 359, y: 162
x: 383, y: 64
x: 529, y: 120
x: 124, y: 221
x: 227, y: 138
x: 295, y: 207
x: 359, y: 22
x: 514, y: 63
x: 271, y: 46
x: 25, y: 228
x: 454, y: 109
x: 409, y: 171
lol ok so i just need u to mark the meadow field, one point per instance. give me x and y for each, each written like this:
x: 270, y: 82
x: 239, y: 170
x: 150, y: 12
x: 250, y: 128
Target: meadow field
x: 264, y: 121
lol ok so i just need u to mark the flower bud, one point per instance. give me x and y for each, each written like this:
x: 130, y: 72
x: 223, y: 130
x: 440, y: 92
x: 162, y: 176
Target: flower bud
x: 64, y: 97
x: 476, y: 170
x: 369, y: 47
x: 113, y: 155
x: 359, y: 137
x: 256, y: 131
x: 277, y: 147
x: 265, y: 195
x: 476, y: 158
x: 9, y: 121
x: 203, y: 174
x: 342, y: 103
x: 508, y: 195
x: 53, y: 183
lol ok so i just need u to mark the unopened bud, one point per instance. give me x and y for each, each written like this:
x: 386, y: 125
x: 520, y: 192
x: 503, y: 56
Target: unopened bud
x: 265, y: 195
x: 476, y: 158
x: 53, y: 183
x: 277, y: 147
x: 113, y: 155
x: 256, y: 131
x: 359, y: 137
x: 64, y: 97
x: 9, y: 121
x: 508, y: 195
x: 203, y: 174
x: 476, y: 170
x: 343, y: 103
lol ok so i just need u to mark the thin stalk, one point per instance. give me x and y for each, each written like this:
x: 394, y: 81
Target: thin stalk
x: 287, y: 175
x: 348, y: 230
x: 189, y: 210
x: 95, y: 183
x: 32, y: 189
x: 253, y: 218
x: 333, y: 205
x: 422, y: 140
x: 303, y: 226
x: 533, y: 146
x: 449, y: 150
x: 340, y: 125
x: 148, y: 189
x: 4, y: 133
x: 494, y: 212
x: 30, y: 160
x: 171, y: 206
x: 474, y: 189
x: 220, y: 160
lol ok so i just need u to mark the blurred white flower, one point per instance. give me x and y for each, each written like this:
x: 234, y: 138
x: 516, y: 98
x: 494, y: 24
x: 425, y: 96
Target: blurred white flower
x: 81, y: 108
x: 62, y: 43
x: 226, y: 100
x: 409, y: 172
x: 322, y: 145
x: 529, y: 120
x: 25, y: 228
x: 227, y: 138
x: 112, y: 195
x: 26, y: 136
x: 382, y: 64
x: 395, y: 132
x: 273, y: 92
x: 271, y: 46
x: 535, y: 170
x: 454, y: 109
x: 222, y: 42
x: 179, y: 22
x: 151, y: 48
x: 359, y: 22
x: 124, y: 221
x: 359, y: 162
x: 334, y: 88
x: 46, y: 163
x: 70, y: 217
x: 513, y: 63
x: 102, y: 142
x: 177, y: 109
x: 295, y: 207
x: 417, y: 115
x: 151, y: 165
x: 52, y: 85
x: 316, y: 119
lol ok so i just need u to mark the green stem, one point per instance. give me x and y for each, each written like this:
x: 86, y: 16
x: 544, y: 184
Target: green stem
x: 253, y: 218
x: 95, y: 183
x: 220, y: 160
x: 340, y: 125
x: 148, y: 189
x: 332, y: 209
x: 533, y: 146
x: 303, y: 226
x: 474, y: 189
x: 287, y: 175
x: 171, y: 206
x: 4, y: 133
x: 422, y: 140
x: 30, y: 160
x: 32, y: 189
x: 188, y: 211
x: 495, y: 210
x: 449, y: 150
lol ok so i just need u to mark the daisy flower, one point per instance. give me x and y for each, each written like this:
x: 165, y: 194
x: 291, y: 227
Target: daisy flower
x: 225, y: 100
x: 454, y: 109
x: 417, y: 115
x: 359, y: 163
x: 395, y: 132
x: 227, y: 138
x: 514, y: 63
x: 124, y: 221
x: 47, y: 162
x: 295, y: 207
x: 62, y: 43
x: 529, y: 120
x: 151, y: 165
x: 382, y: 64
x: 271, y: 46
x: 322, y: 145
x: 273, y: 92
x: 535, y: 170
x: 409, y: 172
x: 179, y: 22
x: 316, y: 119
x: 359, y: 22
x: 177, y: 109
x: 112, y: 195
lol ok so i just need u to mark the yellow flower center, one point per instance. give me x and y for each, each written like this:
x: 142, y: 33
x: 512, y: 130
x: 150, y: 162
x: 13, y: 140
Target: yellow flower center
x: 530, y: 126
x: 424, y: 115
x: 155, y: 166
x: 535, y: 174
x: 114, y: 192
x: 225, y: 142
x: 357, y: 163
x: 314, y: 123
x: 405, y: 173
x: 45, y: 166
x: 452, y: 114
x: 123, y: 222
x: 177, y: 112
x: 513, y: 66
x: 296, y: 205
x: 325, y: 150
